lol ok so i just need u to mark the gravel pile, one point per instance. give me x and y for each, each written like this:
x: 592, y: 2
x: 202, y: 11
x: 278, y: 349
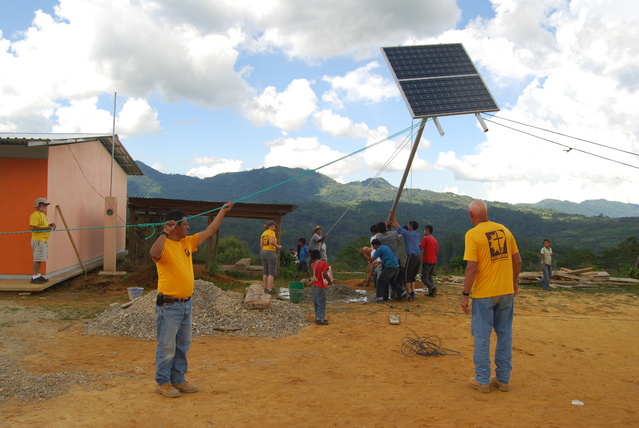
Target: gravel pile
x: 213, y: 310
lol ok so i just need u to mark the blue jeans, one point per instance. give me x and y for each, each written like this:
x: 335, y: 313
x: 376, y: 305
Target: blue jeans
x: 545, y: 281
x: 377, y: 274
x: 388, y: 278
x: 487, y: 314
x: 173, y: 323
x: 319, y: 302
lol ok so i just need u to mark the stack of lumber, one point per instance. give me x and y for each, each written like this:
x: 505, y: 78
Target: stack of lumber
x: 577, y: 278
x: 453, y: 280
x: 564, y: 278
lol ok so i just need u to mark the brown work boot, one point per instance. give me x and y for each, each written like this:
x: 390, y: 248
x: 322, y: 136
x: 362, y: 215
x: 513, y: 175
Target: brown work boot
x: 472, y: 382
x: 186, y: 387
x: 167, y: 390
x: 503, y: 387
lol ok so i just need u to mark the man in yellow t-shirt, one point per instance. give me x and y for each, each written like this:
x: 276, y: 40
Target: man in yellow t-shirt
x: 492, y: 270
x: 172, y: 254
x: 40, y: 231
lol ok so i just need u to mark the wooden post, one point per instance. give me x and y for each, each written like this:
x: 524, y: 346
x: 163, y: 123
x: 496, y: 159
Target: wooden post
x: 57, y: 207
x: 110, y: 237
x: 409, y: 164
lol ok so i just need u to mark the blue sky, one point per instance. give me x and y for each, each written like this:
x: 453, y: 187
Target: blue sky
x: 210, y: 87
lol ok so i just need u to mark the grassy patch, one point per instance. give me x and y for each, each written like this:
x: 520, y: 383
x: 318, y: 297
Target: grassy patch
x: 234, y: 286
x: 68, y: 312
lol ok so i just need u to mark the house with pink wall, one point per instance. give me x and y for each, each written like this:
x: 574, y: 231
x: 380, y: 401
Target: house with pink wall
x: 77, y: 173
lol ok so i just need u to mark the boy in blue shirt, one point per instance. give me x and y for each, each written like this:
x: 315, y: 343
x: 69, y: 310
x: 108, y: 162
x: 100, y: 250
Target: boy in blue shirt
x: 390, y: 270
x: 303, y: 257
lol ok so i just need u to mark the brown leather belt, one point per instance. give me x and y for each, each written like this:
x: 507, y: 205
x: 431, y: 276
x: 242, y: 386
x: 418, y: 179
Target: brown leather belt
x: 170, y: 299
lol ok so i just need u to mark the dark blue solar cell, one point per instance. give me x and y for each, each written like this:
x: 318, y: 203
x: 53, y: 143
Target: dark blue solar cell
x: 438, y: 80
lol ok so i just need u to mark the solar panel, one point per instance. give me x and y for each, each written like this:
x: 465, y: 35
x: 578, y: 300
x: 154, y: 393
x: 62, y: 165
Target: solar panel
x: 438, y: 80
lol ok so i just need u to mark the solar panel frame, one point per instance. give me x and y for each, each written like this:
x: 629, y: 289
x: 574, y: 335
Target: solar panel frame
x: 438, y: 80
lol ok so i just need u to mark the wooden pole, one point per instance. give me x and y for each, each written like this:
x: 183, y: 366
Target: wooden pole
x: 57, y: 207
x: 409, y: 164
x: 209, y: 246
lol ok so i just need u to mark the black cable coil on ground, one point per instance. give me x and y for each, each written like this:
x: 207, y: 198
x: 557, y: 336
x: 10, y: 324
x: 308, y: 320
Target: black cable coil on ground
x: 427, y: 346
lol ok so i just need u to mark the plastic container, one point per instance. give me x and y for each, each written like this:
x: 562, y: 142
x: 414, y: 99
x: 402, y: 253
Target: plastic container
x: 296, y: 291
x: 134, y: 292
x: 296, y: 294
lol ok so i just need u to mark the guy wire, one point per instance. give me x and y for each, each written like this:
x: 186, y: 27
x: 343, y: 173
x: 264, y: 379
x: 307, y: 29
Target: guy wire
x: 379, y: 172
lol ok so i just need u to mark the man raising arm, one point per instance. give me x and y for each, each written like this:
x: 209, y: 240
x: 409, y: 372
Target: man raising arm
x: 172, y: 254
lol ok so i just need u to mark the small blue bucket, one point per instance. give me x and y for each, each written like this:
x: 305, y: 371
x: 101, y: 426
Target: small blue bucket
x: 134, y: 292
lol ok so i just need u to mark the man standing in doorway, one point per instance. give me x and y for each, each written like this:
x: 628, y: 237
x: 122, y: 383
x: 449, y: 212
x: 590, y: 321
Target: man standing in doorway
x: 172, y: 254
x: 492, y: 270
x: 41, y: 229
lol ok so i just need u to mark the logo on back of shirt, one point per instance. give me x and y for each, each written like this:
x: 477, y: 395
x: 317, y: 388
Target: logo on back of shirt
x: 497, y: 244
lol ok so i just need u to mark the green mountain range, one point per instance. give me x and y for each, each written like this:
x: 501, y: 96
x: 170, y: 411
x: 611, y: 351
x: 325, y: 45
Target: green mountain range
x: 347, y: 210
x: 592, y: 207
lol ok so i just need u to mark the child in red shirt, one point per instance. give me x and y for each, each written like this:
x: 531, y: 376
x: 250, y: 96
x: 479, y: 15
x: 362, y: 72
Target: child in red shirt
x: 320, y: 286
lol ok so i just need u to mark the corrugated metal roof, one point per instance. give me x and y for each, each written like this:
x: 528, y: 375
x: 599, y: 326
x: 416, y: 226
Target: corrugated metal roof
x: 50, y: 136
x: 51, y: 139
x: 241, y: 209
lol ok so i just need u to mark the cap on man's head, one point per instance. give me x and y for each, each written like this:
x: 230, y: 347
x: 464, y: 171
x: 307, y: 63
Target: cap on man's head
x: 271, y: 223
x: 41, y: 201
x: 316, y: 228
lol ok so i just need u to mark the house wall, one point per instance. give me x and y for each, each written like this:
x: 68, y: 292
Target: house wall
x: 21, y: 182
x: 79, y: 180
x: 75, y: 177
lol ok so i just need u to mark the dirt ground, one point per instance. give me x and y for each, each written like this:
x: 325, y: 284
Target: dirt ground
x: 567, y: 346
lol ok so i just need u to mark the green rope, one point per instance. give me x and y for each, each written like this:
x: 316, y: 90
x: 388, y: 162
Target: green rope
x: 410, y: 128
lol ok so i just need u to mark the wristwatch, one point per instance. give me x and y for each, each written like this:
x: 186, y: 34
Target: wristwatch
x: 164, y: 233
x: 465, y: 294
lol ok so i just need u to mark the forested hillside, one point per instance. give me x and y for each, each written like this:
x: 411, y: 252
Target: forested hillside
x: 323, y: 201
x: 594, y: 207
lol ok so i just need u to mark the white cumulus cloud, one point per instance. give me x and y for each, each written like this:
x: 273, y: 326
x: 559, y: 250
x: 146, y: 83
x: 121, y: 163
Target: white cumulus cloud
x: 211, y: 166
x: 287, y: 110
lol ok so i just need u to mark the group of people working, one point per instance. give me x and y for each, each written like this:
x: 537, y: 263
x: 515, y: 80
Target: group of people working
x: 395, y: 257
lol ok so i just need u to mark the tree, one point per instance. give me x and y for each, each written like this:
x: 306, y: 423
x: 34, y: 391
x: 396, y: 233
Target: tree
x: 578, y: 258
x: 624, y: 254
x: 231, y: 249
x: 350, y: 257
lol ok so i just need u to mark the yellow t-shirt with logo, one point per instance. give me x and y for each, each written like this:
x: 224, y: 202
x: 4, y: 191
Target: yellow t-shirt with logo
x: 266, y: 238
x: 39, y: 219
x: 175, y: 267
x: 492, y: 246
